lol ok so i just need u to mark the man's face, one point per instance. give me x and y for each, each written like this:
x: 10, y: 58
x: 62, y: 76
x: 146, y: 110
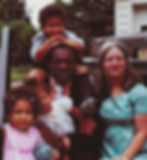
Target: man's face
x: 62, y: 65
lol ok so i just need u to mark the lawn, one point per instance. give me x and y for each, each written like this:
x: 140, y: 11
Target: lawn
x: 19, y: 73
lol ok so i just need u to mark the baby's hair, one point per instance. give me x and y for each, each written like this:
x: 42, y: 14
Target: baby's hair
x: 21, y: 93
x: 51, y: 11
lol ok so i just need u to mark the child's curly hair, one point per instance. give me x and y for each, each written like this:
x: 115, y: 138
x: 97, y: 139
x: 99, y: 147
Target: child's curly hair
x: 50, y: 11
x: 21, y: 93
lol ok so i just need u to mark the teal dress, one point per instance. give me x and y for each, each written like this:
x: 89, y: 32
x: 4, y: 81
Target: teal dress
x: 118, y: 114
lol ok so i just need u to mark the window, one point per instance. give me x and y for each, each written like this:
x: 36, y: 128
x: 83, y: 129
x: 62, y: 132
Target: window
x: 144, y: 28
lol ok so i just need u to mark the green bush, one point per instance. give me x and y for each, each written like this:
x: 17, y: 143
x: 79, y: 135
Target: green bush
x: 21, y: 34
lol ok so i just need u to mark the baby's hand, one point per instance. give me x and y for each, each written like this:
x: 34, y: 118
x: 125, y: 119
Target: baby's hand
x: 77, y: 113
x: 56, y: 155
x: 57, y: 38
x: 66, y: 142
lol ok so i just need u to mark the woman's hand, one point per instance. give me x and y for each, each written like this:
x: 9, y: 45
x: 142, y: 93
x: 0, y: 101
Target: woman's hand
x: 121, y: 158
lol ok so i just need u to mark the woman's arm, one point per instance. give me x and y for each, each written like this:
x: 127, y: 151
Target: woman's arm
x: 138, y: 140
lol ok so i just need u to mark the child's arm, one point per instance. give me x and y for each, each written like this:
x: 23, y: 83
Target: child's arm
x: 76, y: 112
x: 66, y: 142
x: 46, y: 46
x: 82, y: 69
x: 79, y: 46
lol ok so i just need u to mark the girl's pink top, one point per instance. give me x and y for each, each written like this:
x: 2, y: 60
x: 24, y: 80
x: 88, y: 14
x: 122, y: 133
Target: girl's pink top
x: 19, y: 145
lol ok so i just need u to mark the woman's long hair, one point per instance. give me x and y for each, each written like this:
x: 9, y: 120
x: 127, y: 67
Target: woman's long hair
x: 131, y: 77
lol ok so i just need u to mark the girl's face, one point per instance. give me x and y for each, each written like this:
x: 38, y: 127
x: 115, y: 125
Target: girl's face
x: 114, y: 64
x: 21, y: 116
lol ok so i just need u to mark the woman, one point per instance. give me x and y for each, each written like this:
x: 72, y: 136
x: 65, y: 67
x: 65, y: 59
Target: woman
x: 123, y: 106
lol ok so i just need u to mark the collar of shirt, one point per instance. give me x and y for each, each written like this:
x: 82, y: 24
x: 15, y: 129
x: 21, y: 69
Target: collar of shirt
x: 58, y: 90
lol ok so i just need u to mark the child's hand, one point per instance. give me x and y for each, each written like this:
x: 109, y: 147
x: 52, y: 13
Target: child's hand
x: 74, y: 44
x: 55, y: 39
x: 56, y: 155
x: 66, y: 142
x: 81, y: 69
x: 77, y: 113
x: 49, y: 43
x: 88, y: 126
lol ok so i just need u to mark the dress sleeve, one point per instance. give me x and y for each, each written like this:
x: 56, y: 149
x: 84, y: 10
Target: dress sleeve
x: 139, y: 99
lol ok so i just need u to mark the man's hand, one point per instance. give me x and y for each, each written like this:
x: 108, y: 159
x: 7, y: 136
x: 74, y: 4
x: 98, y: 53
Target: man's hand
x: 88, y: 126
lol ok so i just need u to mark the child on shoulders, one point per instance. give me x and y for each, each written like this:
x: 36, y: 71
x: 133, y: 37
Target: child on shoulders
x: 52, y: 20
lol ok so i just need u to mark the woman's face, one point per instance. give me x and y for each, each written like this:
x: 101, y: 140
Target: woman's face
x: 114, y: 63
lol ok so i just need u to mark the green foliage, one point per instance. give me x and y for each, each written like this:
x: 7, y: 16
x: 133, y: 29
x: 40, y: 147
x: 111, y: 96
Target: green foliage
x: 12, y: 9
x: 19, y: 73
x: 12, y: 14
x: 59, y: 2
x: 20, y: 41
x: 90, y: 18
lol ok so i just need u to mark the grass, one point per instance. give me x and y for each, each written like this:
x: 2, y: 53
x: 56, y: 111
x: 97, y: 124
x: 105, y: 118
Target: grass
x: 19, y: 73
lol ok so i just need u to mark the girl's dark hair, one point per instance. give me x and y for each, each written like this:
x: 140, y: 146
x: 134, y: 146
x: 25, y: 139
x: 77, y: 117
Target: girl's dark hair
x: 131, y: 77
x: 16, y: 94
x: 51, y: 11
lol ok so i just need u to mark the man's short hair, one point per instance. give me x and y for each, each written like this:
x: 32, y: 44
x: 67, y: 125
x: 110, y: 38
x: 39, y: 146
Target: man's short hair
x: 49, y: 54
x: 51, y: 11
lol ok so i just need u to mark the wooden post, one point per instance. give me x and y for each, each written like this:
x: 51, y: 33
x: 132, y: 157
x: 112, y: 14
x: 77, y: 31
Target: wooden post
x: 3, y: 68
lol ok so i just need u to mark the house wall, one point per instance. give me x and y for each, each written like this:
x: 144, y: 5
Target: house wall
x: 140, y: 19
x: 130, y: 16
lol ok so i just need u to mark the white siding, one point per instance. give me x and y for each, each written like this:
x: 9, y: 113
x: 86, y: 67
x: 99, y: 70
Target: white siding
x: 130, y: 16
x: 140, y: 19
x: 123, y: 17
x: 139, y: 2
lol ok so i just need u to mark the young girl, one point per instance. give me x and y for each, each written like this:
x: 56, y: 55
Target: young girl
x: 21, y: 138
